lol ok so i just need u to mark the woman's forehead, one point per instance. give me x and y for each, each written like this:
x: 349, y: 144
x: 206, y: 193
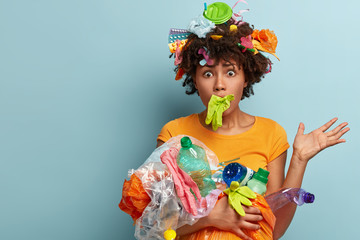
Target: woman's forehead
x: 222, y: 62
x: 226, y: 62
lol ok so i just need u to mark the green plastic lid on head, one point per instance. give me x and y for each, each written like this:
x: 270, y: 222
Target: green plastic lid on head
x: 186, y: 142
x: 261, y: 175
x: 218, y: 12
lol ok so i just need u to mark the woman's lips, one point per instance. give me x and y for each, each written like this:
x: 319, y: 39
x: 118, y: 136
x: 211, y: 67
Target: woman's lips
x: 221, y: 95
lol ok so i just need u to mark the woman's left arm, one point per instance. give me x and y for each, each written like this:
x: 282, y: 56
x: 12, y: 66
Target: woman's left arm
x: 305, y: 147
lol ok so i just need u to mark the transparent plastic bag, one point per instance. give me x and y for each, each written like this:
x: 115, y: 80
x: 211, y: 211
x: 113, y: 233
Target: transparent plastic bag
x: 165, y: 210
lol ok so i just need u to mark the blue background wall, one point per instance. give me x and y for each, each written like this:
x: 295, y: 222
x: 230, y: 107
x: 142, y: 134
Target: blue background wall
x: 85, y: 87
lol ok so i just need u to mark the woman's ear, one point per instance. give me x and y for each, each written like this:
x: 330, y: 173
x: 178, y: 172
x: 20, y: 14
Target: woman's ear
x: 245, y: 84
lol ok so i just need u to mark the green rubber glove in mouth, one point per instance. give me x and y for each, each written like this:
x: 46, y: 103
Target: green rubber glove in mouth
x: 216, y: 107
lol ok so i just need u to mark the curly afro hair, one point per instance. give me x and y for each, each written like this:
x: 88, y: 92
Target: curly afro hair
x: 225, y: 48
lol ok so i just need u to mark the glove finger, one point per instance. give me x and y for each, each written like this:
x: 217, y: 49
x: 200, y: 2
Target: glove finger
x: 245, y: 200
x: 234, y: 202
x: 246, y: 192
x: 238, y: 208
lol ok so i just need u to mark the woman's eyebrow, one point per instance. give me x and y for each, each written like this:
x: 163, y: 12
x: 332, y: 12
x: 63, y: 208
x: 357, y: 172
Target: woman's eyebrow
x: 227, y: 64
x: 224, y: 65
x: 208, y: 66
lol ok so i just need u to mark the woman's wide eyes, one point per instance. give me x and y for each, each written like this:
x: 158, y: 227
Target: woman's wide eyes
x: 231, y: 73
x: 208, y: 74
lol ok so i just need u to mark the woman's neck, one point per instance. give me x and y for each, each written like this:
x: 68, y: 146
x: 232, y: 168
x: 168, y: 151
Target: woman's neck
x: 233, y: 123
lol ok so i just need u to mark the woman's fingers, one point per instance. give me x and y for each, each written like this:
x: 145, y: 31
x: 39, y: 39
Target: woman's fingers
x: 251, y: 210
x: 336, y: 138
x: 249, y: 221
x: 301, y: 129
x: 252, y: 214
x: 327, y: 125
x: 250, y: 226
x: 252, y: 217
x: 342, y: 132
x: 337, y: 129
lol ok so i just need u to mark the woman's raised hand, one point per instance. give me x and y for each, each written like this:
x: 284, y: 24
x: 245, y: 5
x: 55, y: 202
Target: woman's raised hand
x: 308, y: 145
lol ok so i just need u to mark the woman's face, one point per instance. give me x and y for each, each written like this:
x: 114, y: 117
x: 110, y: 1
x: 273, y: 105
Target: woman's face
x: 221, y: 80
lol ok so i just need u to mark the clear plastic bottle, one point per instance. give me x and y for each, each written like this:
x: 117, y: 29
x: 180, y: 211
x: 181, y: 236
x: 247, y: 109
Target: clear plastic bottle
x: 192, y: 159
x: 237, y: 172
x: 258, y: 182
x: 284, y: 196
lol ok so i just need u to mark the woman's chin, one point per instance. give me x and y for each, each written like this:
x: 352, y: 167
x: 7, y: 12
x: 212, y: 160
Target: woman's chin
x: 227, y: 112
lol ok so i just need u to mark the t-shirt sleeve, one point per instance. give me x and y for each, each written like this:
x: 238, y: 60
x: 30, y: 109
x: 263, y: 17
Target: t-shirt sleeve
x: 279, y: 143
x: 167, y: 131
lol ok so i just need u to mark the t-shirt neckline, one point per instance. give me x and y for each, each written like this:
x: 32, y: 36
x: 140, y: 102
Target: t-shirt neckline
x: 207, y: 131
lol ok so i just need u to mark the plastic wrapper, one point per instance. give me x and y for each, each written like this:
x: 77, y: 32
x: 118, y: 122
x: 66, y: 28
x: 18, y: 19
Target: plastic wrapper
x: 134, y: 198
x: 267, y: 224
x: 164, y: 209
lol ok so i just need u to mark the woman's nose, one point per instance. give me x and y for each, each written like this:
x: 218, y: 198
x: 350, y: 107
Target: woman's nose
x: 219, y: 84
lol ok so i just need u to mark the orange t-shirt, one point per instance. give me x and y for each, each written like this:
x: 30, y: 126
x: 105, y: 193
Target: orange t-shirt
x: 258, y: 146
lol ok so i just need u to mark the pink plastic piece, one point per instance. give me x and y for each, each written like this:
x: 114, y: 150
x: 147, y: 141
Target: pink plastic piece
x: 203, y: 52
x: 246, y: 42
x: 183, y: 182
x: 238, y: 2
x: 239, y: 14
x: 178, y: 59
x: 269, y: 66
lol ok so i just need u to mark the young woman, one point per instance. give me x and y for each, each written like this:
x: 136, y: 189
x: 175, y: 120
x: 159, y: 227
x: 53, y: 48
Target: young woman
x: 227, y: 65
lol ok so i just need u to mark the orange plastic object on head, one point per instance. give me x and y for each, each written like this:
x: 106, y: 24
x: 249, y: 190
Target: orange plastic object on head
x: 179, y: 74
x: 264, y: 233
x: 134, y: 198
x: 265, y: 40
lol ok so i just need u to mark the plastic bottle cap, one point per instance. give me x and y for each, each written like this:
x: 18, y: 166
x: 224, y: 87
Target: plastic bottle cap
x: 218, y: 12
x: 261, y: 175
x: 309, y: 198
x: 186, y: 142
x: 169, y: 234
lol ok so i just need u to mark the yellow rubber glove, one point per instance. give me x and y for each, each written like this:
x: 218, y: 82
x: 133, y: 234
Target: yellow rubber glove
x: 216, y: 107
x: 239, y: 195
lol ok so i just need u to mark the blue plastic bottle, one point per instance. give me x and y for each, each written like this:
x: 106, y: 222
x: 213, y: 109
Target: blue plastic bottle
x: 237, y: 172
x: 284, y: 196
x: 192, y: 159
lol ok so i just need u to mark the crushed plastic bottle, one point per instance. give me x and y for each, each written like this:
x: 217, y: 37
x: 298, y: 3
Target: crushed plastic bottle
x: 192, y: 159
x: 284, y: 196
